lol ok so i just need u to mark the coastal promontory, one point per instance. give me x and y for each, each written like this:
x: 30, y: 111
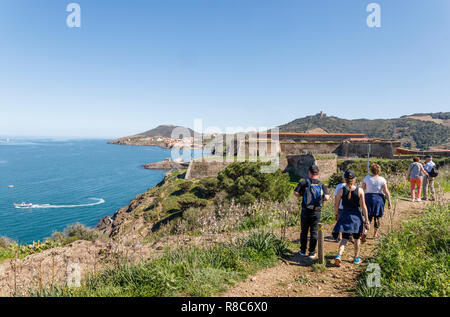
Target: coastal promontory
x: 161, y: 136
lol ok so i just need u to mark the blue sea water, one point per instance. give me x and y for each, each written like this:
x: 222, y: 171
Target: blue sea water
x: 69, y: 181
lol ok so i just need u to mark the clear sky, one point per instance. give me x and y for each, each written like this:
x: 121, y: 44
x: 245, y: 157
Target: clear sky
x: 136, y: 64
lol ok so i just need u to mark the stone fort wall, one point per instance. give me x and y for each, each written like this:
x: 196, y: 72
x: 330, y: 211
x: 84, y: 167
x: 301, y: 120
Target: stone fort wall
x: 299, y: 164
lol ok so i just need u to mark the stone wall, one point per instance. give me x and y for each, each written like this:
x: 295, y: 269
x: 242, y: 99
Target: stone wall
x: 202, y: 169
x: 299, y: 164
x: 346, y: 149
x: 289, y: 148
x: 381, y: 149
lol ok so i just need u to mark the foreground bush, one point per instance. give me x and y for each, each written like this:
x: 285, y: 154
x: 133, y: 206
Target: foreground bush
x: 245, y: 182
x: 415, y: 261
x: 183, y: 272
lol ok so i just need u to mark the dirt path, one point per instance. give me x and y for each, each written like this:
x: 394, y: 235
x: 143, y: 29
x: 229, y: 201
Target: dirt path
x: 296, y: 277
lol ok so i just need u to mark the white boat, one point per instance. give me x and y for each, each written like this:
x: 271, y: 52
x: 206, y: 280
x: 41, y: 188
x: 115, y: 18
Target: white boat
x: 23, y: 206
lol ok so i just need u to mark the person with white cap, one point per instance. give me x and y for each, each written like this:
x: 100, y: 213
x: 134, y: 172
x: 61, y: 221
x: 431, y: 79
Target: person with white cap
x: 428, y: 180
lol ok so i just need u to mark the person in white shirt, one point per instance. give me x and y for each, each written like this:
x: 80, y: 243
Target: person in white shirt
x: 376, y: 193
x: 428, y: 181
x: 337, y: 235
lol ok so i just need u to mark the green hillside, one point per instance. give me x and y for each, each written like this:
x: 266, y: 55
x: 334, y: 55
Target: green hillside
x: 412, y: 132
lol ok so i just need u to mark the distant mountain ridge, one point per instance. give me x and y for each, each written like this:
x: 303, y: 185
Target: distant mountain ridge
x: 164, y: 131
x: 416, y: 130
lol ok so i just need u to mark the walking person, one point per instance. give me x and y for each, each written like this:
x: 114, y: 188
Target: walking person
x: 428, y: 180
x: 314, y: 193
x: 336, y: 235
x: 350, y: 222
x: 415, y: 176
x: 376, y: 194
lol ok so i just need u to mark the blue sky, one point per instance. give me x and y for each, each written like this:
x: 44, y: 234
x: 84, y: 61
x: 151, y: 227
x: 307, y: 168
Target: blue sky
x: 136, y: 64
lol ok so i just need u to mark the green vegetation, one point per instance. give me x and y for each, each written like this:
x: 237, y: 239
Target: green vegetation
x: 73, y: 233
x: 245, y: 183
x: 183, y: 272
x: 11, y: 249
x: 415, y: 260
x: 421, y: 134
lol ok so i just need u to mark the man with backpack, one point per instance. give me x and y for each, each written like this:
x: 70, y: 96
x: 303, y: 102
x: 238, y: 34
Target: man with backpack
x: 428, y: 180
x: 314, y: 193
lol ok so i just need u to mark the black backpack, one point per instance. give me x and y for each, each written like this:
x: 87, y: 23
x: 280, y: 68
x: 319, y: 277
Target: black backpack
x: 434, y: 172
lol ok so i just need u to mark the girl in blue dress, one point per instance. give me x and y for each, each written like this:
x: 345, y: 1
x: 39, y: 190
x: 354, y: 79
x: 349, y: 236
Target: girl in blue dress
x: 350, y: 221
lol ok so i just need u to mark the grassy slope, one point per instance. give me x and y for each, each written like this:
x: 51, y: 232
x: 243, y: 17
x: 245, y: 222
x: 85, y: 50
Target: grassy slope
x: 415, y: 260
x: 182, y: 272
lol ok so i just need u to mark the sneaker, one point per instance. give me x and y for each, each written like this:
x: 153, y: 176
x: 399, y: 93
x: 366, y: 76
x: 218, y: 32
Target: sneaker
x: 357, y: 260
x: 301, y: 253
x: 313, y: 256
x: 413, y: 200
x: 337, y: 261
x: 424, y: 198
x: 419, y: 200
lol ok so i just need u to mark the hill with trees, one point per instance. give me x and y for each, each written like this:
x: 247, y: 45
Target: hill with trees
x: 412, y: 132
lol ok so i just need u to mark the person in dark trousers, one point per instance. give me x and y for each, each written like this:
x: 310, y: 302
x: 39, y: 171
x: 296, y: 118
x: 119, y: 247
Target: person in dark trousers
x: 314, y: 193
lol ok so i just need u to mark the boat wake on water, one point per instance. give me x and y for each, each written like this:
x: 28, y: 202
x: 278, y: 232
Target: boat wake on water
x: 99, y: 201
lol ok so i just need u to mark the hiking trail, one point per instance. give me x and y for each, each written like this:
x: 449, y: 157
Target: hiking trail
x: 295, y: 276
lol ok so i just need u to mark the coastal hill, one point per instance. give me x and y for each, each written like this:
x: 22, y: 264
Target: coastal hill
x: 163, y: 131
x: 160, y: 136
x: 422, y: 131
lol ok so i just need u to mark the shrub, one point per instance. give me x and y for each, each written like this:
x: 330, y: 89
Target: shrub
x: 5, y: 242
x: 191, y: 201
x: 11, y: 249
x: 75, y: 232
x: 184, y: 187
x: 245, y: 182
x: 206, y: 188
x: 335, y: 180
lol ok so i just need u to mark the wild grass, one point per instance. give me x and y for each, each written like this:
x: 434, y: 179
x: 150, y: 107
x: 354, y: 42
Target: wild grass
x: 11, y: 249
x: 188, y: 271
x: 415, y: 259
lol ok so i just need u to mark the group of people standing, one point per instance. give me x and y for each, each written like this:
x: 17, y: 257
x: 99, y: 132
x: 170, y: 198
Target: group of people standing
x: 355, y: 207
x: 421, y: 176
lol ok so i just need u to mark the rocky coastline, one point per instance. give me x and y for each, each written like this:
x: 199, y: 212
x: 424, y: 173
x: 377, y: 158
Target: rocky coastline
x: 167, y: 164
